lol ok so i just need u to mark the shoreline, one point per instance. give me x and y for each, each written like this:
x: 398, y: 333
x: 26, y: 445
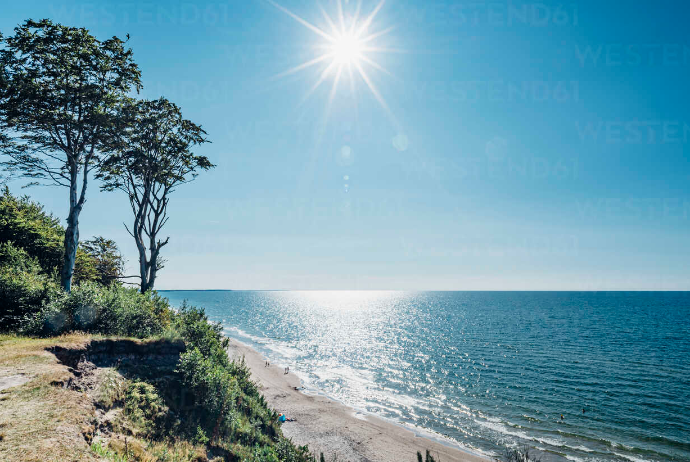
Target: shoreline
x: 334, y: 428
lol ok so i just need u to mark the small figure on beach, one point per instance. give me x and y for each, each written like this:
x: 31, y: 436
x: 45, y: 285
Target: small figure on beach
x: 283, y: 418
x: 287, y: 370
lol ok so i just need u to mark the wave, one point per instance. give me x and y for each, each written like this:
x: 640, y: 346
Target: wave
x: 389, y: 365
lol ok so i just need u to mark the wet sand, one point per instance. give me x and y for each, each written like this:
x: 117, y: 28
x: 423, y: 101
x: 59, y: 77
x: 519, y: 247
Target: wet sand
x: 335, y: 429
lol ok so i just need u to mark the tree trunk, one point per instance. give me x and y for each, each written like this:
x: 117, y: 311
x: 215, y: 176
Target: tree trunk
x: 143, y: 265
x: 71, y: 235
x: 71, y: 245
x: 154, y: 269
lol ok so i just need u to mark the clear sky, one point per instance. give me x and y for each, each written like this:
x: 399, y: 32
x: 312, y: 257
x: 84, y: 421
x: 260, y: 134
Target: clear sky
x: 524, y: 146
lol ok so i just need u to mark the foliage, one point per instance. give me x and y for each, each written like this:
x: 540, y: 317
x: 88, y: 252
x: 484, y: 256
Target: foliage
x: 29, y: 227
x: 59, y: 101
x: 106, y: 453
x: 84, y: 268
x: 107, y: 261
x: 23, y: 287
x: 31, y: 251
x: 113, y: 310
x: 146, y: 408
x: 227, y: 404
x: 153, y: 156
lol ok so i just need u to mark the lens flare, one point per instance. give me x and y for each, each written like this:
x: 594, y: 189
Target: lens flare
x: 347, y: 48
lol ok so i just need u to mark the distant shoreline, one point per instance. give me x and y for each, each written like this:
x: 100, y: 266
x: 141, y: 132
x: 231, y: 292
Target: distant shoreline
x: 331, y: 427
x: 651, y: 291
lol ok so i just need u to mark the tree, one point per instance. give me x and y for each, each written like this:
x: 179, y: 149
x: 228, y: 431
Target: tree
x: 61, y: 94
x: 29, y: 227
x: 152, y: 158
x: 109, y: 264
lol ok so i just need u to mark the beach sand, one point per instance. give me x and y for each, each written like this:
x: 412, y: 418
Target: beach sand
x: 335, y: 429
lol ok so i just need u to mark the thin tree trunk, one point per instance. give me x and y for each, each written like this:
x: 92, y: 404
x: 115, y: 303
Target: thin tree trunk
x: 143, y: 264
x: 71, y: 245
x: 71, y: 235
x: 154, y: 269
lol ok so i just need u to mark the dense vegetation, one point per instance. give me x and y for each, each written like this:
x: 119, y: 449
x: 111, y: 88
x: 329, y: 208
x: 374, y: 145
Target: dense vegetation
x: 226, y: 413
x: 67, y: 114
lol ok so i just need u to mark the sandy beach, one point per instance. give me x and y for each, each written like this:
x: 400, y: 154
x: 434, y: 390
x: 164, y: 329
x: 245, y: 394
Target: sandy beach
x: 335, y: 429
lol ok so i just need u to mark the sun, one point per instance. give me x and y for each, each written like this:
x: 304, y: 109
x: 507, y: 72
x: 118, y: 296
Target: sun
x: 347, y: 48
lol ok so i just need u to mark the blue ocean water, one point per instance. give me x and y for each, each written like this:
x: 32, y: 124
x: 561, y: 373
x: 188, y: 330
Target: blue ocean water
x: 488, y: 369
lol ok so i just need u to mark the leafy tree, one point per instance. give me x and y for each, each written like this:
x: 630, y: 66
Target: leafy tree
x: 84, y: 268
x: 28, y: 226
x: 152, y: 158
x: 61, y: 93
x: 108, y: 262
x: 24, y: 287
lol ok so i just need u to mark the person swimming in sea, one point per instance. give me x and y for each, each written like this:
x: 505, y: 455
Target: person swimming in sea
x: 562, y: 418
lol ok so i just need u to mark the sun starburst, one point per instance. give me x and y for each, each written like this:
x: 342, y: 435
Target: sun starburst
x: 347, y: 47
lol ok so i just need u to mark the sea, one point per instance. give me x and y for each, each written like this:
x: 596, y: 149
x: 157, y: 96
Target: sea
x: 583, y: 376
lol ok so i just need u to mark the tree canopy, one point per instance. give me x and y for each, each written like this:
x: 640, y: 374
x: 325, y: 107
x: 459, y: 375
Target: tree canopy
x: 61, y: 94
x: 152, y: 157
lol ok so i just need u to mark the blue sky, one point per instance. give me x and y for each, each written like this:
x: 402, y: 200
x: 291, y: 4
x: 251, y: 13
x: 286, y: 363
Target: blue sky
x: 526, y: 146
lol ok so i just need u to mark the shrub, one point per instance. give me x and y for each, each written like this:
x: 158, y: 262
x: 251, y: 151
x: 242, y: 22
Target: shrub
x: 29, y: 227
x: 227, y: 405
x: 193, y: 326
x: 23, y: 288
x: 108, y: 263
x: 146, y: 409
x: 113, y: 310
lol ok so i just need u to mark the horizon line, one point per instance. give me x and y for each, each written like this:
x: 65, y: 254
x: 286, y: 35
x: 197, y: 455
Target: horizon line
x: 423, y: 290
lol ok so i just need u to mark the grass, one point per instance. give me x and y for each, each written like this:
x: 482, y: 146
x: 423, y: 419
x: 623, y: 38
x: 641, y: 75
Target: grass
x: 103, y: 451
x: 39, y: 421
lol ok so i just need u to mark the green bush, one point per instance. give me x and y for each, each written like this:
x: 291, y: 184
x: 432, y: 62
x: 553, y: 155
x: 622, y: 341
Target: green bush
x: 227, y: 405
x: 113, y: 310
x: 29, y: 227
x: 193, y: 326
x: 24, y: 289
x: 145, y: 408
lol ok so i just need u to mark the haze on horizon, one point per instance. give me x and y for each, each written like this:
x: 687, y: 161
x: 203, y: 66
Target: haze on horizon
x: 501, y: 146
